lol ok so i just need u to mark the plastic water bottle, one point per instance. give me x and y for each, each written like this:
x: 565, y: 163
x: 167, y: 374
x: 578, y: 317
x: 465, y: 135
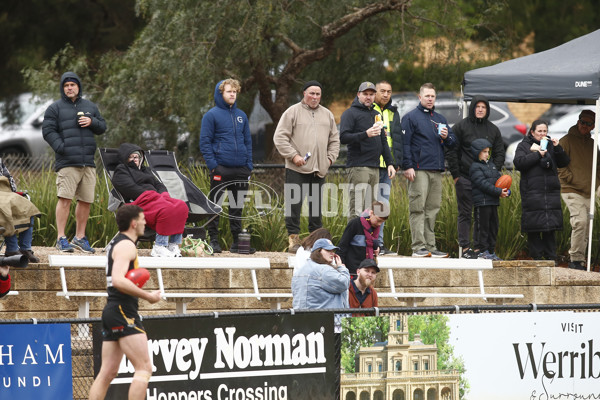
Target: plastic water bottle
x: 244, y: 242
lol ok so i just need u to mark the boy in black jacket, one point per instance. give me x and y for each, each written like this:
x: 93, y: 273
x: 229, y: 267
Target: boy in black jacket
x: 483, y: 176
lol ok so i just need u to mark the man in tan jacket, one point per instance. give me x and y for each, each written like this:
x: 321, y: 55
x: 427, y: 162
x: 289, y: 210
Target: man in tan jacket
x: 576, y: 181
x: 307, y: 137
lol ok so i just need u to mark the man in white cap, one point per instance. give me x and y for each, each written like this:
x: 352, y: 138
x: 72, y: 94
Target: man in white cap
x: 361, y: 128
x: 307, y: 137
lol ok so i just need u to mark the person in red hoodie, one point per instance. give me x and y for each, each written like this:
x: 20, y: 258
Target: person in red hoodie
x: 361, y: 293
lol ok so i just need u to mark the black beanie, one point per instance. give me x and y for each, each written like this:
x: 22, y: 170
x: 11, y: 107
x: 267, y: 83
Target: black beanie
x: 72, y: 79
x: 311, y: 83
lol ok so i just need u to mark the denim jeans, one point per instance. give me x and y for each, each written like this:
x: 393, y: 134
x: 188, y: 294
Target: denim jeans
x: 162, y: 240
x: 24, y: 242
x: 383, y: 194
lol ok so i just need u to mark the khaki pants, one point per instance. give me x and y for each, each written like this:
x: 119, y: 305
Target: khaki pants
x: 424, y: 200
x: 579, y: 208
x: 363, y: 189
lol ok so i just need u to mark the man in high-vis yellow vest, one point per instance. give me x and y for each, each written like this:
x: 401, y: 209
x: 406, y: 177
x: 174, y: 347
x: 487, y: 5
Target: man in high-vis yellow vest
x: 393, y: 133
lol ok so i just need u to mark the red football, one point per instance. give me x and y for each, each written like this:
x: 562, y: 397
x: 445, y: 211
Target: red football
x: 504, y: 182
x: 139, y: 276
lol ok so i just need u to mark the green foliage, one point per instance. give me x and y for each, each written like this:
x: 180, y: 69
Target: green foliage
x: 268, y: 228
x: 360, y: 332
x: 434, y: 329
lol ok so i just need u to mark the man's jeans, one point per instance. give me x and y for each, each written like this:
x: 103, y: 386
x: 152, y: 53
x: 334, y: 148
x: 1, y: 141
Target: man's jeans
x: 383, y: 194
x: 24, y: 242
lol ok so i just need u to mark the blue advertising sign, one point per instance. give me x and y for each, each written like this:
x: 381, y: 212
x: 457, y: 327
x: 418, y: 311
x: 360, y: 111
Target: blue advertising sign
x: 35, y: 362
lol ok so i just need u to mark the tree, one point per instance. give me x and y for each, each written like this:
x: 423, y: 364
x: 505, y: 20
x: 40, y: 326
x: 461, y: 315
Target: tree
x: 435, y: 329
x: 162, y: 85
x: 360, y: 332
x: 34, y: 30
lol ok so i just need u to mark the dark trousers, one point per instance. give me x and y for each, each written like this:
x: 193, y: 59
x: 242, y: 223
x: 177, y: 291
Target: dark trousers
x: 485, y: 231
x: 542, y: 245
x: 464, y: 202
x: 297, y: 187
x: 233, y: 183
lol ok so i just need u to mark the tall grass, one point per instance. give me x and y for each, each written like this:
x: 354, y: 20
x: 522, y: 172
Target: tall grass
x: 268, y: 228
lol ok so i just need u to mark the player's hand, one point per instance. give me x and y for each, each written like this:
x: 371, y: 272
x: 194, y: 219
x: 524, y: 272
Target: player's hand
x: 410, y: 174
x: 153, y: 297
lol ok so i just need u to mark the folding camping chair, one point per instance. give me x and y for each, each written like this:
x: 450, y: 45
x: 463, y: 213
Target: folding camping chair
x: 178, y: 185
x: 164, y: 165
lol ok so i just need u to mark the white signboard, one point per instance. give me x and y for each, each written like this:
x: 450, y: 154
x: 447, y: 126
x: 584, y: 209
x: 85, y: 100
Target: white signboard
x: 529, y: 356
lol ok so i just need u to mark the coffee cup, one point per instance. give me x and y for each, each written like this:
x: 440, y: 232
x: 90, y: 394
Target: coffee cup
x: 544, y: 143
x: 440, y: 127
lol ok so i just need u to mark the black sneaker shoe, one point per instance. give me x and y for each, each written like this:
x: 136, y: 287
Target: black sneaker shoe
x: 577, y: 265
x: 384, y: 251
x: 470, y: 254
x: 215, y: 246
x: 32, y: 258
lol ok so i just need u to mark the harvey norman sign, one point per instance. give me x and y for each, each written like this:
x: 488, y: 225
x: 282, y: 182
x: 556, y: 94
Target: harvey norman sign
x: 236, y: 358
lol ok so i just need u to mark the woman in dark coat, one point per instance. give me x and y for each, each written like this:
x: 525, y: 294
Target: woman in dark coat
x: 540, y: 189
x: 138, y: 185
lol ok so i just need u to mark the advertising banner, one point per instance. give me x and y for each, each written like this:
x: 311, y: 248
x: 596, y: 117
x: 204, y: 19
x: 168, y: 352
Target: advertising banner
x: 235, y: 358
x: 35, y: 362
x: 529, y: 356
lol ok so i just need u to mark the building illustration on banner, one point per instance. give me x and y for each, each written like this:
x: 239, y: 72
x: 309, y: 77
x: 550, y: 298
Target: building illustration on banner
x: 399, y: 369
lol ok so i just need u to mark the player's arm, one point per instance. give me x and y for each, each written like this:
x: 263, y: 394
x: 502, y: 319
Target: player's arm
x: 123, y: 253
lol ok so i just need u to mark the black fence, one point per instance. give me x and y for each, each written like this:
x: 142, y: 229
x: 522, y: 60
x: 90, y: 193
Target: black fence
x: 85, y: 340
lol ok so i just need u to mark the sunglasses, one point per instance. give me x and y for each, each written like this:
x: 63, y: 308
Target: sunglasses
x: 582, y: 122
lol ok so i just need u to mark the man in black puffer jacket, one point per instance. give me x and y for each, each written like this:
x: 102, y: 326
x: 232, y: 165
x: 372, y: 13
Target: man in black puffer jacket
x: 476, y: 126
x: 367, y: 143
x: 69, y: 128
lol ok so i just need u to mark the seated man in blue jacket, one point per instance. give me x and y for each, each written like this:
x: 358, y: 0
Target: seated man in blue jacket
x: 226, y: 146
x: 426, y: 134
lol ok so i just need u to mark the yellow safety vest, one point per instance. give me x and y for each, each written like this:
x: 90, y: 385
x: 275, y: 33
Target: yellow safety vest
x: 387, y: 116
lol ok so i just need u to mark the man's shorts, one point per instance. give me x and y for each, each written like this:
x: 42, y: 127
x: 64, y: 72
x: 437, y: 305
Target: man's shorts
x: 119, y: 321
x: 76, y: 182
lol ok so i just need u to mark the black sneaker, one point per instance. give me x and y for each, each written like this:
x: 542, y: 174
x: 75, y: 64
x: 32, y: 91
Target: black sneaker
x: 577, y: 265
x: 384, y: 251
x: 470, y: 254
x: 215, y: 246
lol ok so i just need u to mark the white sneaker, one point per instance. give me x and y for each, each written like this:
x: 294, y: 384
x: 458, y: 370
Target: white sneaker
x: 174, y: 248
x: 161, y: 251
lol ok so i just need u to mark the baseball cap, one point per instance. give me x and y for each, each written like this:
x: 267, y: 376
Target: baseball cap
x: 366, y: 86
x: 368, y: 262
x: 323, y: 244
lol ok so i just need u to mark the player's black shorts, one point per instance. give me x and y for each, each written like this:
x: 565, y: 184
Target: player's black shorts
x: 119, y: 320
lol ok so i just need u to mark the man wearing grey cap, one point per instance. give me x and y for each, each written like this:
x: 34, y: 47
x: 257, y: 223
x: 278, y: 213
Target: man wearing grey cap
x: 576, y: 182
x: 361, y: 129
x: 307, y: 137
